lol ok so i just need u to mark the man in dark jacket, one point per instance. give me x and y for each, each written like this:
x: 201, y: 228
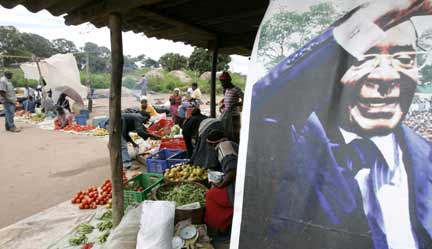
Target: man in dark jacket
x: 133, y: 122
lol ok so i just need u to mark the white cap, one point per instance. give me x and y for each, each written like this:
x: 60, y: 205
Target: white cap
x: 143, y: 97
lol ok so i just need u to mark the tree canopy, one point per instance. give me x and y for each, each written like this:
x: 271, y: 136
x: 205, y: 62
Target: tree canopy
x: 201, y: 61
x: 287, y: 31
x: 173, y: 61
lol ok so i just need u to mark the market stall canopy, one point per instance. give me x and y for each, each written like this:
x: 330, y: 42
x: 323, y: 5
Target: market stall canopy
x: 59, y: 70
x: 195, y: 22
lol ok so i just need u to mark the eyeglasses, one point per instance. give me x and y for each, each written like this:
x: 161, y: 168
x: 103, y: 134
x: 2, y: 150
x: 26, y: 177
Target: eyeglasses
x: 399, y: 61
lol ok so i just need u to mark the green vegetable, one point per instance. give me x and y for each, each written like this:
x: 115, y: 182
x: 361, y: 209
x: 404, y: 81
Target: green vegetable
x: 85, y: 228
x: 184, y: 194
x: 78, y: 240
x: 106, y: 216
x: 103, y: 238
x: 104, y: 225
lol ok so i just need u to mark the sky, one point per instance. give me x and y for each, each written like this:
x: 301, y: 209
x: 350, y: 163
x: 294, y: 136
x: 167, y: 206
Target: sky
x: 51, y: 27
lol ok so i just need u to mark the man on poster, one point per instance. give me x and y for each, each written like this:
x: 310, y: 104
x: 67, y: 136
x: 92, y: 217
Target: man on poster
x: 351, y: 174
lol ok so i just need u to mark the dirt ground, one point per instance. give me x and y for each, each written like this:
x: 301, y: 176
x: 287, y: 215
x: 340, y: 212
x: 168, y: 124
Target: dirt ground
x: 43, y: 168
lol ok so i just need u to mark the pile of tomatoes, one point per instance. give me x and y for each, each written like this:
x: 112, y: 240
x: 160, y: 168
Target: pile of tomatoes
x: 79, y: 128
x: 90, y: 198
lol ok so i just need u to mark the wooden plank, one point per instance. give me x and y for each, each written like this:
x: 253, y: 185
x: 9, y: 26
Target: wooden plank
x: 115, y: 117
x: 101, y: 8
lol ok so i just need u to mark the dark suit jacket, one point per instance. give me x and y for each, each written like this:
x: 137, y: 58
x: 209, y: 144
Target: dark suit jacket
x: 312, y: 201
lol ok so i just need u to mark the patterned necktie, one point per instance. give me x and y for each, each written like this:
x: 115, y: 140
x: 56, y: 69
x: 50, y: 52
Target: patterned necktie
x: 364, y: 154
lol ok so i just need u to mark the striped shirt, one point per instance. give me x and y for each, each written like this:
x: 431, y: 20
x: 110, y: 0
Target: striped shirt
x: 232, y: 96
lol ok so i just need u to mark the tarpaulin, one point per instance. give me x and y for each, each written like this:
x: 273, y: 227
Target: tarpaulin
x: 59, y: 70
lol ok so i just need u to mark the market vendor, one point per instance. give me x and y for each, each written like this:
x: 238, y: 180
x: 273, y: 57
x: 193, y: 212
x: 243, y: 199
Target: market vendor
x: 190, y: 129
x: 220, y: 198
x: 146, y: 107
x: 63, y: 118
x: 133, y: 122
x: 29, y: 104
x: 203, y: 154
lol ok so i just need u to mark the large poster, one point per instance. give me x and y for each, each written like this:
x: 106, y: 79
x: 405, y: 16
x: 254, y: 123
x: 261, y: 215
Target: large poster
x: 335, y: 152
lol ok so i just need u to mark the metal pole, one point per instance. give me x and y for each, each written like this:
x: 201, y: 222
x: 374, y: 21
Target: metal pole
x: 115, y: 117
x: 213, y: 80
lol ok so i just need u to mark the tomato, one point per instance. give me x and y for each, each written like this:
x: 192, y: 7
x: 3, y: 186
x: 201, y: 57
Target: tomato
x: 86, y: 206
x: 81, y: 206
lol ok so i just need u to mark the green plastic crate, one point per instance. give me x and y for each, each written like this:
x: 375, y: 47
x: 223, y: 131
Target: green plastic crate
x: 146, y: 180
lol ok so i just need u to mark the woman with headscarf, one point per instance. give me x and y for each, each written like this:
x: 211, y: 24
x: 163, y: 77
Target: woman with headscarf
x: 204, y: 155
x: 220, y: 198
x: 175, y: 101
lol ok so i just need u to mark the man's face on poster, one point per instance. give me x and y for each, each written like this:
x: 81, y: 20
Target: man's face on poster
x: 378, y: 89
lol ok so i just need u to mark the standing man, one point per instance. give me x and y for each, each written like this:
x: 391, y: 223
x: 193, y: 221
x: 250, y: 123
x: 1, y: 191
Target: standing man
x: 8, y: 98
x: 345, y: 171
x: 143, y: 85
x: 232, y: 102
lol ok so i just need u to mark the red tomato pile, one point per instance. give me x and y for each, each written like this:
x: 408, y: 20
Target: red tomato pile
x: 79, y: 128
x: 90, y: 198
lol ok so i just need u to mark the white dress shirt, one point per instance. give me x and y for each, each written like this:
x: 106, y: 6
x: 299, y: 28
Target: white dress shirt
x: 393, y: 198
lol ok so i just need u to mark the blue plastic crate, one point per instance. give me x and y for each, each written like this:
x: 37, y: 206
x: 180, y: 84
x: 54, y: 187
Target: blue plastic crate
x: 158, y: 162
x: 81, y: 119
x: 180, y: 157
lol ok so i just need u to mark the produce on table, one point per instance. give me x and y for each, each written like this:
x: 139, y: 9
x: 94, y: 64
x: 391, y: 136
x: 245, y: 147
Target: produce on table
x: 184, y: 194
x: 78, y: 239
x: 103, y: 238
x: 186, y: 172
x: 100, y: 132
x: 104, y: 225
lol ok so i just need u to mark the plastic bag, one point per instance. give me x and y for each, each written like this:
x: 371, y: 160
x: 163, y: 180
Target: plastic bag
x: 156, y: 225
x: 124, y: 236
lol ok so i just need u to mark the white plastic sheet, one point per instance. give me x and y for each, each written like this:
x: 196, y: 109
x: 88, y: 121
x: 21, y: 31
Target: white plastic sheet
x: 58, y: 70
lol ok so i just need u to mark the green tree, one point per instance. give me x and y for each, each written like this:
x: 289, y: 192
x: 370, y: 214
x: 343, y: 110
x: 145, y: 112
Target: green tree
x: 37, y: 45
x: 11, y: 44
x: 201, y: 61
x: 64, y: 46
x: 129, y: 63
x: 287, y: 31
x: 173, y: 61
x: 149, y: 62
x: 99, y: 57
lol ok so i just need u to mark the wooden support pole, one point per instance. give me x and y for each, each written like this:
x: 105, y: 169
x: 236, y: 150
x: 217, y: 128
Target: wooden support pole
x: 90, y: 98
x: 115, y: 118
x: 213, y: 80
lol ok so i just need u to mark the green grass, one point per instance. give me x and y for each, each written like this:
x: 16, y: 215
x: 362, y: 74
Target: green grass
x: 165, y: 85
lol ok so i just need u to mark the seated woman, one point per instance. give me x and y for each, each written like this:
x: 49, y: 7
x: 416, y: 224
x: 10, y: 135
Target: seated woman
x: 204, y: 154
x: 220, y: 198
x: 63, y: 118
x: 29, y: 104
